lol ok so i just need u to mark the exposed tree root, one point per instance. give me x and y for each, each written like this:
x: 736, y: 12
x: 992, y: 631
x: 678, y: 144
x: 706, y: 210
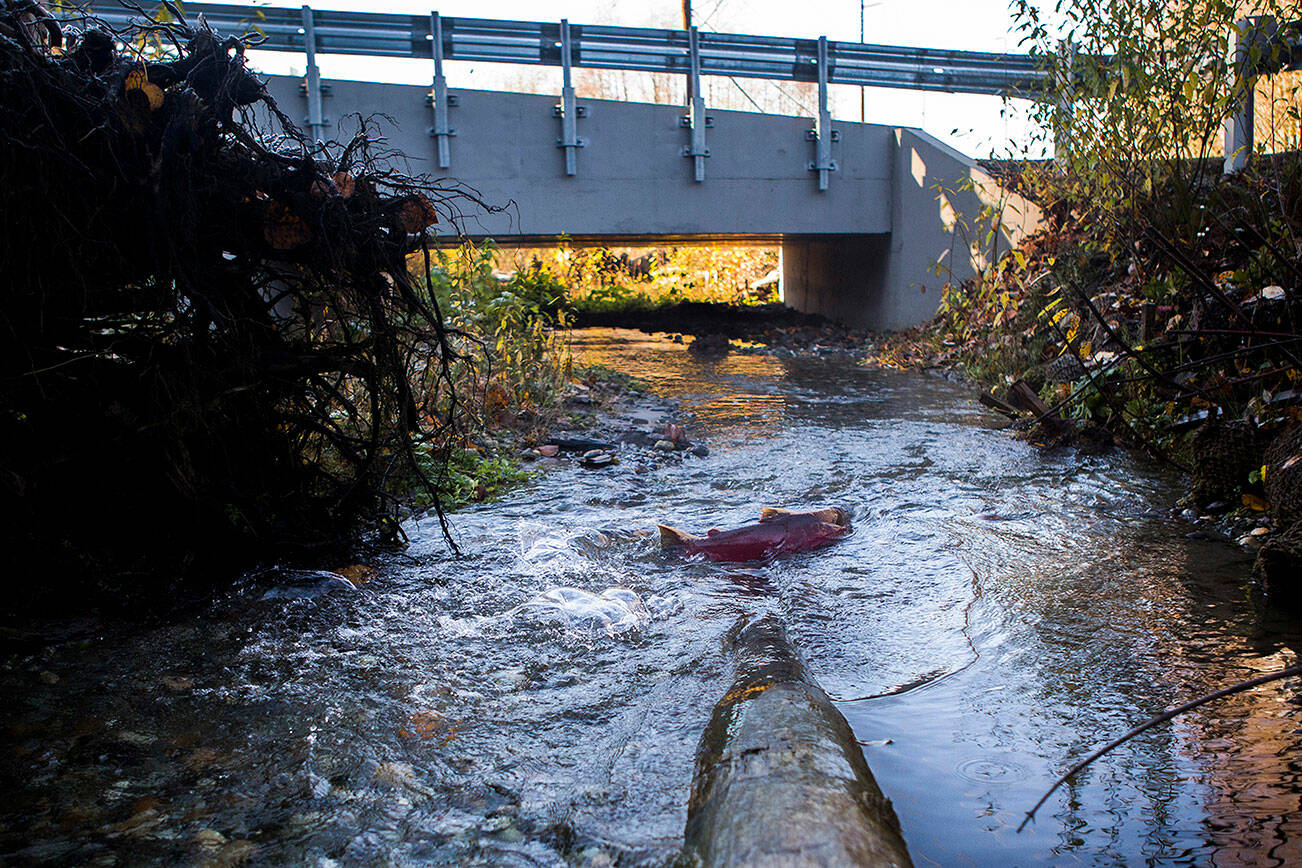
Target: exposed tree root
x: 211, y: 344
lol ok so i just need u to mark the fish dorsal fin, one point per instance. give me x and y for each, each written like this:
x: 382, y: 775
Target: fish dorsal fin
x: 770, y: 512
x: 670, y: 537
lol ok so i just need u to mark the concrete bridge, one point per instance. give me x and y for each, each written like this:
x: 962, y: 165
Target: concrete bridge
x: 864, y: 251
x: 872, y: 220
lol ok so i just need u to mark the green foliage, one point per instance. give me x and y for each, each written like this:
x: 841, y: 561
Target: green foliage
x: 469, y: 476
x: 599, y: 280
x: 1157, y: 289
x: 508, y: 333
x: 514, y: 354
x: 1137, y: 108
x: 620, y: 298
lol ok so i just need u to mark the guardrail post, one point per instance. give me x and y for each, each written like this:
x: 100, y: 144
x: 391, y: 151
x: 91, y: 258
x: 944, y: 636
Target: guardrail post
x: 441, y: 130
x: 567, y: 111
x: 697, y: 121
x: 1238, y: 129
x: 316, y: 120
x: 1066, y: 111
x: 823, y: 135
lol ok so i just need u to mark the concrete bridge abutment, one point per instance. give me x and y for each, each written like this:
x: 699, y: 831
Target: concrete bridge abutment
x: 942, y: 207
x: 841, y: 278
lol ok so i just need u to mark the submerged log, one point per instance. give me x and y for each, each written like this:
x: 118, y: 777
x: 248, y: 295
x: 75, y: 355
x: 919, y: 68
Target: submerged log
x: 780, y: 779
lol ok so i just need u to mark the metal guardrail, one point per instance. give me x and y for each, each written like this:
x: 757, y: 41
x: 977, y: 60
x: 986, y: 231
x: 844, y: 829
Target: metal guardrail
x: 690, y: 53
x: 641, y: 49
x: 1280, y: 46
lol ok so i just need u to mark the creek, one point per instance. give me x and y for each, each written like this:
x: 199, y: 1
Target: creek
x: 998, y: 613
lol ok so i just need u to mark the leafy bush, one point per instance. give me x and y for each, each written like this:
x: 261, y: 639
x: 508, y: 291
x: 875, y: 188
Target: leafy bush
x: 1137, y: 110
x: 1174, y: 288
x: 509, y: 333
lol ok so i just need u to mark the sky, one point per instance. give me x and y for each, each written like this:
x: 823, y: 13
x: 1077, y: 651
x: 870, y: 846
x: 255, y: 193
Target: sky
x: 977, y: 125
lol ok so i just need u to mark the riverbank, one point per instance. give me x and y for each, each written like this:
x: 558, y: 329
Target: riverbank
x: 719, y: 328
x: 1079, y: 343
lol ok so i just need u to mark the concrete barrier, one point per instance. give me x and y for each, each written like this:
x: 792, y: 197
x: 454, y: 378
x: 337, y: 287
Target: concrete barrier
x: 780, y: 779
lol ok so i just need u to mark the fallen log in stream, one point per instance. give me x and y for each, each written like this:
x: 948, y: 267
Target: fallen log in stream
x: 780, y: 779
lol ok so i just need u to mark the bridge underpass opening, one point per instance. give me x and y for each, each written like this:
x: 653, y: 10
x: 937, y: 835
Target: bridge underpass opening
x: 633, y: 182
x: 623, y: 273
x: 840, y: 277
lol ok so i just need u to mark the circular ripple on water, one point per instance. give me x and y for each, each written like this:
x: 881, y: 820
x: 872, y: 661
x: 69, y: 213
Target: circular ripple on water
x: 991, y: 770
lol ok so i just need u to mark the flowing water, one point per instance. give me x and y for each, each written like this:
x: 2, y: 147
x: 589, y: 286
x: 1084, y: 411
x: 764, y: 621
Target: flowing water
x: 998, y: 613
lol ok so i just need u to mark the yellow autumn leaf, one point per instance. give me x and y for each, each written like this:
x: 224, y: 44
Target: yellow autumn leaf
x: 358, y: 574
x: 1252, y: 501
x: 138, y: 79
x: 345, y: 184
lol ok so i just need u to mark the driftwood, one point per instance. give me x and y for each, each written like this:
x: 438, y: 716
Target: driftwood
x: 780, y: 779
x: 1022, y: 396
x: 997, y: 405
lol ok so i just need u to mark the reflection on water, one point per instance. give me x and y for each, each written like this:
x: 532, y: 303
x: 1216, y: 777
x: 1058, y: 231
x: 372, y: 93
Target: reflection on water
x: 538, y: 701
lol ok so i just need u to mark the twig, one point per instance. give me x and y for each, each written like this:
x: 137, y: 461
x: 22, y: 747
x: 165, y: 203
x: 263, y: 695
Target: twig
x: 1188, y: 267
x: 1126, y: 348
x: 1161, y: 718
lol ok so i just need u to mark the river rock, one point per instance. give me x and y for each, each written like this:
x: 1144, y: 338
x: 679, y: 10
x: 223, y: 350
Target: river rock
x: 177, y: 683
x: 580, y: 444
x: 710, y: 345
x: 596, y: 459
x: 236, y: 852
x: 664, y: 446
x: 780, y: 779
x: 635, y: 437
x: 209, y: 839
x: 308, y: 585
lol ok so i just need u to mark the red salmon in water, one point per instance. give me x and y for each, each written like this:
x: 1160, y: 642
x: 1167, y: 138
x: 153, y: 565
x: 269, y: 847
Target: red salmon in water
x: 779, y: 532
